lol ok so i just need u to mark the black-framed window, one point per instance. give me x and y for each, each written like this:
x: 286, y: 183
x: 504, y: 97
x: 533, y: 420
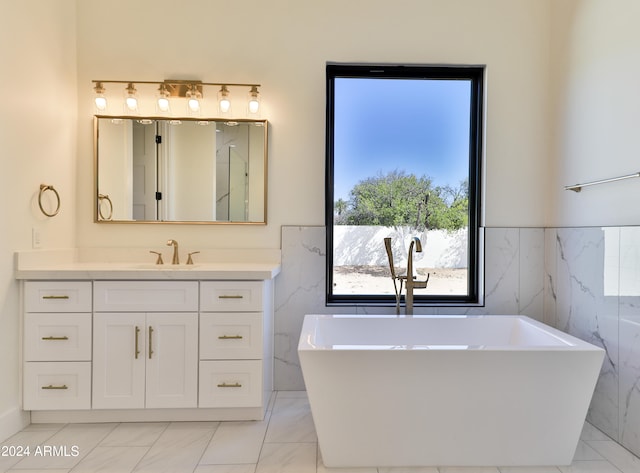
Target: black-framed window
x: 403, y: 159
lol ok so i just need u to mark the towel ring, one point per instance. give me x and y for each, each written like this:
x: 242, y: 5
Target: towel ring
x: 43, y: 189
x: 102, y: 197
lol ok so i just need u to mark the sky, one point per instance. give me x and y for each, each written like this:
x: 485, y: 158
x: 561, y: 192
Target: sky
x: 412, y: 125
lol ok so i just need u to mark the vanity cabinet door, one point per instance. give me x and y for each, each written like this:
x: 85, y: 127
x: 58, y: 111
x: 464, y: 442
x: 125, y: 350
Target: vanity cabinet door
x: 172, y: 360
x: 119, y: 351
x: 145, y: 360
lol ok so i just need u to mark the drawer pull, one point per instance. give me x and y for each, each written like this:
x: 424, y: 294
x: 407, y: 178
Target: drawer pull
x: 137, y: 347
x: 51, y: 386
x: 55, y: 297
x: 230, y: 337
x: 55, y: 338
x: 225, y: 385
x: 150, y: 341
x: 236, y: 296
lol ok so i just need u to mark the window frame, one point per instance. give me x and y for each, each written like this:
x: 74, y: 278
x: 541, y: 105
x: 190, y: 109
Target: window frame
x: 475, y: 74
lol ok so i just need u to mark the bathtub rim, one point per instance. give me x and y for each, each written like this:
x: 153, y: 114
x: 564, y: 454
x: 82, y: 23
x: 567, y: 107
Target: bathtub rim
x: 570, y: 342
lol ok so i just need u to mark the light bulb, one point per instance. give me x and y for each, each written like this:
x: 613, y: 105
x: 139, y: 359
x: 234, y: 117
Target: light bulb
x: 194, y: 104
x: 254, y: 100
x: 224, y: 101
x: 163, y: 104
x: 163, y: 99
x: 193, y: 99
x: 130, y: 100
x: 100, y: 100
x: 132, y: 103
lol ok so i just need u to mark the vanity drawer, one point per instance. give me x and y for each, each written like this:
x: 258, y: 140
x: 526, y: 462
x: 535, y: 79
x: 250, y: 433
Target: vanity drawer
x: 57, y: 386
x: 233, y: 336
x: 57, y: 337
x: 230, y: 383
x: 145, y: 296
x: 231, y: 296
x: 57, y: 296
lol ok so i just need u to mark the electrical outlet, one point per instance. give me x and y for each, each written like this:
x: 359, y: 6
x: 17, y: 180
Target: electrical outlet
x: 35, y: 238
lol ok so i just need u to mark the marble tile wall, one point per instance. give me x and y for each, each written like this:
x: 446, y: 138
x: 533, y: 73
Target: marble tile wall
x: 593, y: 292
x: 514, y: 279
x: 585, y: 281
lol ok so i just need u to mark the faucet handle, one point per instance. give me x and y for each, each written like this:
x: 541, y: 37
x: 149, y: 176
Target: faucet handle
x: 421, y: 284
x: 189, y: 259
x: 159, y: 259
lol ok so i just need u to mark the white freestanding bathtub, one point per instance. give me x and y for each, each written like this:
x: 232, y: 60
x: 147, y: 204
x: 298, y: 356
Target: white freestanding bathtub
x: 445, y: 390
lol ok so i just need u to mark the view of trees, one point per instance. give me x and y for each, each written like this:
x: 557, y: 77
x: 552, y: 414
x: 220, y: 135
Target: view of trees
x: 398, y: 198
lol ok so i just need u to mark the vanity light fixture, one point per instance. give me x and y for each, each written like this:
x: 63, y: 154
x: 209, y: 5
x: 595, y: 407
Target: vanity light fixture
x: 191, y: 90
x: 163, y: 99
x: 224, y: 101
x: 254, y: 100
x: 193, y: 99
x: 100, y: 100
x: 130, y: 99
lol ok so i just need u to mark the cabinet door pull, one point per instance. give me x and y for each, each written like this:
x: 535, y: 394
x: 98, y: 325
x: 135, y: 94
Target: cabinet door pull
x: 51, y: 386
x: 56, y: 338
x: 225, y: 385
x: 150, y: 341
x: 230, y: 296
x: 55, y: 297
x: 230, y: 337
x: 137, y: 348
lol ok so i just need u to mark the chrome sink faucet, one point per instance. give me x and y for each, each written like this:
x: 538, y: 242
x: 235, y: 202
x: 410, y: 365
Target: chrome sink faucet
x: 176, y: 258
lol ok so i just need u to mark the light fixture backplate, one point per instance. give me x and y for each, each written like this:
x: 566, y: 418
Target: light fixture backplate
x: 179, y: 88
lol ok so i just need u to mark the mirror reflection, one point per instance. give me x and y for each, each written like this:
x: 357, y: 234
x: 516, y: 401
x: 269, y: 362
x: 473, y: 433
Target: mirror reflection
x: 180, y: 170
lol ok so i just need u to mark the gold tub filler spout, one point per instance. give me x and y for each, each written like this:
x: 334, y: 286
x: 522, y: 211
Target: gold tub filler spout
x: 408, y: 280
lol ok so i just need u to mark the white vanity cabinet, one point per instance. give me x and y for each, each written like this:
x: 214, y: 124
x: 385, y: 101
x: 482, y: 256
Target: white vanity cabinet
x: 57, y: 345
x: 143, y: 358
x: 116, y: 343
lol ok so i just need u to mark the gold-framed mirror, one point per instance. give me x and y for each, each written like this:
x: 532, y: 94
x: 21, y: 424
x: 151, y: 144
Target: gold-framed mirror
x: 180, y: 170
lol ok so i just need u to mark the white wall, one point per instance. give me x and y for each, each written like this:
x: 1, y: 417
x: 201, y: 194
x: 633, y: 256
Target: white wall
x: 596, y: 66
x: 284, y: 45
x: 37, y: 145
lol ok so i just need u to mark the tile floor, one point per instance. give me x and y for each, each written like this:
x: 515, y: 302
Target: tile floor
x: 285, y: 442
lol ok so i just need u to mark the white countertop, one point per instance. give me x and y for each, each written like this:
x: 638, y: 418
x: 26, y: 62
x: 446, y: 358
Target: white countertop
x: 82, y: 264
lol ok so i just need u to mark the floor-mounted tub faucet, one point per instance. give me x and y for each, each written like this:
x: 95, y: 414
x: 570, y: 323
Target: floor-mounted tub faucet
x: 411, y: 283
x: 176, y: 258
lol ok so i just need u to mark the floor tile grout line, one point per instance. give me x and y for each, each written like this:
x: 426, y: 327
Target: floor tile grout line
x: 149, y: 447
x: 204, y: 450
x: 269, y: 413
x: 610, y: 440
x: 167, y: 428
x: 92, y: 448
